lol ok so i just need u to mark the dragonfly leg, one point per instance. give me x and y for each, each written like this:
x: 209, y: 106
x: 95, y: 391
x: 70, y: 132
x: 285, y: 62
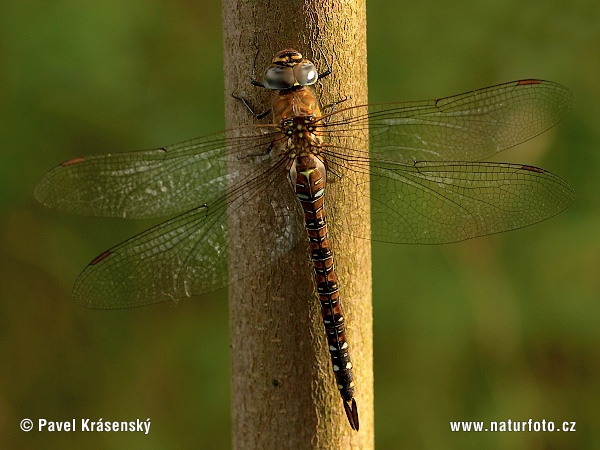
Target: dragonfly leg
x: 328, y: 71
x: 331, y: 170
x: 258, y: 116
x: 253, y: 79
x: 265, y: 153
x: 331, y: 106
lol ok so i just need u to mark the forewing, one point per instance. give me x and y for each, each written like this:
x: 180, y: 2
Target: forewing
x: 151, y: 183
x: 464, y: 127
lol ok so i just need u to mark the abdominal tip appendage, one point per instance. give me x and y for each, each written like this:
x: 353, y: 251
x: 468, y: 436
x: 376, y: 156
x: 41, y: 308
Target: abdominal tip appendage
x: 352, y: 413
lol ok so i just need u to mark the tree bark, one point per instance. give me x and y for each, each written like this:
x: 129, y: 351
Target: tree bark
x: 284, y: 392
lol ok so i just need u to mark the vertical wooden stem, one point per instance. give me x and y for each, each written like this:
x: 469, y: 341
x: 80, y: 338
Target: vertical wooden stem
x: 284, y: 393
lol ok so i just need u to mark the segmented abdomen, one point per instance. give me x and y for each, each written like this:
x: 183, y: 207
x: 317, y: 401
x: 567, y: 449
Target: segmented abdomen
x: 310, y: 190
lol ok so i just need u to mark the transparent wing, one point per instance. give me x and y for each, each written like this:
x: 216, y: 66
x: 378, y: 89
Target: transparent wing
x: 412, y: 202
x: 152, y: 183
x: 188, y: 255
x: 464, y: 127
x: 434, y: 203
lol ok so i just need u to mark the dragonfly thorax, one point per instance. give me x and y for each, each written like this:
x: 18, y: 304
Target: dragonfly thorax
x: 299, y: 102
x: 301, y: 135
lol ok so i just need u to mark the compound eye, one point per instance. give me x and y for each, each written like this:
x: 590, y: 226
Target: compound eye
x: 305, y: 73
x: 278, y: 77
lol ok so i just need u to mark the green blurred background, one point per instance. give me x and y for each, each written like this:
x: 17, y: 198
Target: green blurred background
x: 497, y: 328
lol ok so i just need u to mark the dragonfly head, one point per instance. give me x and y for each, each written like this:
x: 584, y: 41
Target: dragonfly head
x: 289, y: 69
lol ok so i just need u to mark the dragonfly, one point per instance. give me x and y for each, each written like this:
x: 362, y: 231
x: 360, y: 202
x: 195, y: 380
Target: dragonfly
x: 428, y: 185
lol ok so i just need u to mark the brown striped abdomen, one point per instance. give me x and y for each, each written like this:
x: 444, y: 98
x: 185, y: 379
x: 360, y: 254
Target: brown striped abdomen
x: 310, y: 176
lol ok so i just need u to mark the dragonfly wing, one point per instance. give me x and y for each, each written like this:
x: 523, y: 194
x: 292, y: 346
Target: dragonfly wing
x: 435, y: 203
x: 188, y: 255
x: 464, y: 127
x: 151, y: 183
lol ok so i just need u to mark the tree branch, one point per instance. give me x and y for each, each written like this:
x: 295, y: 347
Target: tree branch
x: 284, y: 393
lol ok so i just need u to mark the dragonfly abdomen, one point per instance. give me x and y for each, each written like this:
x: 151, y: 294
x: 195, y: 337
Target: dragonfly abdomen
x: 309, y: 180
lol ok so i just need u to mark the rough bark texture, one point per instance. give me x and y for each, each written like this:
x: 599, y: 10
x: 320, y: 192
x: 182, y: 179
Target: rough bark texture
x: 284, y: 393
